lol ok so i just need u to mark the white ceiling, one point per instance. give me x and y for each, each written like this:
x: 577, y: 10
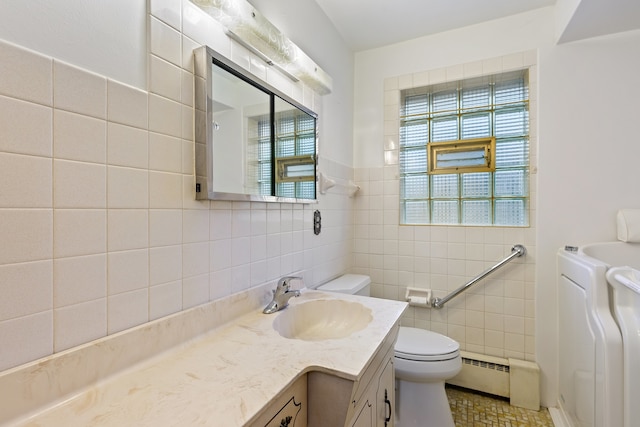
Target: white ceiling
x: 367, y: 24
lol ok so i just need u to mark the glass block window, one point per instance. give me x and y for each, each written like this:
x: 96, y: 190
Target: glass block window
x: 490, y: 106
x: 295, y: 136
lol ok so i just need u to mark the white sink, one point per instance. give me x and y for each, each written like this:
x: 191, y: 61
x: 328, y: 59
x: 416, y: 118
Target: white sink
x: 322, y: 320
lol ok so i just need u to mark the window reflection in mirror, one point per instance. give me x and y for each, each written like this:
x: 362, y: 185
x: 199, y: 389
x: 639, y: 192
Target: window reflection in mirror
x: 258, y: 145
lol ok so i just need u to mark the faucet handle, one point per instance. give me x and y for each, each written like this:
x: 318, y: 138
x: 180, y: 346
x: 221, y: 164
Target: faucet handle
x: 283, y: 283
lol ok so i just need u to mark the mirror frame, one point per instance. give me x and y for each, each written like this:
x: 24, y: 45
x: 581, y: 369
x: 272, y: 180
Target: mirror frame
x: 204, y: 57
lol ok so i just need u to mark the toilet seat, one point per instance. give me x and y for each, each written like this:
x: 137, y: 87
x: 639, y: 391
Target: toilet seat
x: 425, y: 346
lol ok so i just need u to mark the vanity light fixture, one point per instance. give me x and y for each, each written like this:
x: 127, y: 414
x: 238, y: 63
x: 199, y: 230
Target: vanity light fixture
x: 250, y: 28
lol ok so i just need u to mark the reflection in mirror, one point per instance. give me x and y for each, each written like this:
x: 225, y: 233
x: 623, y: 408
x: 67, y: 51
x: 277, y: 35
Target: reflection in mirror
x: 257, y: 144
x: 295, y: 145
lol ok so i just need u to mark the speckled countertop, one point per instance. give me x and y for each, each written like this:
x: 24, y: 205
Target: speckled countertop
x: 215, y: 365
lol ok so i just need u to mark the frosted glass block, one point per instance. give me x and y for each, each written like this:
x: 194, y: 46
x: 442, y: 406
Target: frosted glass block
x: 415, y: 212
x: 415, y: 105
x: 476, y: 184
x: 512, y: 153
x: 476, y: 125
x: 510, y: 212
x: 445, y: 212
x: 414, y: 186
x: 306, y: 144
x: 285, y: 147
x: 413, y: 160
x: 285, y: 189
x: 444, y: 186
x: 306, y: 123
x: 284, y: 125
x: 511, y: 91
x: 306, y: 190
x: 476, y: 212
x: 414, y: 133
x: 510, y: 183
x: 445, y: 101
x: 512, y: 122
x: 444, y: 129
x: 476, y: 97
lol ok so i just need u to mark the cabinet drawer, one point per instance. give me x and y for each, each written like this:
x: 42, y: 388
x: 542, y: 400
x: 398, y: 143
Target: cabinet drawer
x: 288, y: 409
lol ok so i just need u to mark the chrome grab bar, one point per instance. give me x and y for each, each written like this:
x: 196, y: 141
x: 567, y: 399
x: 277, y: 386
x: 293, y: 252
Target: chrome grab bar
x: 516, y: 252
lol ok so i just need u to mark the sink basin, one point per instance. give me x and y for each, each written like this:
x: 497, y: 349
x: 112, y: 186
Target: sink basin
x: 322, y: 320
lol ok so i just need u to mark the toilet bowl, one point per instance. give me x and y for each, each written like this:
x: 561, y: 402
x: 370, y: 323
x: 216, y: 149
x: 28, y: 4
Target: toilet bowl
x: 423, y: 361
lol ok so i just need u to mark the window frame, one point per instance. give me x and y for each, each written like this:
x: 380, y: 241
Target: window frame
x: 496, y: 214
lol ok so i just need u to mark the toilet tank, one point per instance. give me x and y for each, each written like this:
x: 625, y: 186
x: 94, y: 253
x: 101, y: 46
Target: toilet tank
x: 353, y: 284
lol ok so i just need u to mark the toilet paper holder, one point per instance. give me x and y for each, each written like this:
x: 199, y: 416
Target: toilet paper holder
x: 418, y: 297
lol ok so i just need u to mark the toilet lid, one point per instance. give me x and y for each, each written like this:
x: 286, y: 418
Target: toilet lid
x: 420, y: 344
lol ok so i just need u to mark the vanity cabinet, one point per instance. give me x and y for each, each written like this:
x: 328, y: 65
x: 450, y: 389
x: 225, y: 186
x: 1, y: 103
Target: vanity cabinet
x: 366, y: 402
x: 288, y: 409
x: 377, y: 406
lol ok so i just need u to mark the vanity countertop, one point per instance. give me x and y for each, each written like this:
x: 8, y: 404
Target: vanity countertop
x: 221, y: 377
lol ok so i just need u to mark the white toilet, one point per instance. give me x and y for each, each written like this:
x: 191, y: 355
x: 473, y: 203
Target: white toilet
x: 423, y: 361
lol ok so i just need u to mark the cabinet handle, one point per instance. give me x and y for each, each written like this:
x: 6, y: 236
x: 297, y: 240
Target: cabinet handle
x: 388, y: 402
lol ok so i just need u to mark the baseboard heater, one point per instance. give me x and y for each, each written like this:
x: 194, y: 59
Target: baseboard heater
x: 518, y: 380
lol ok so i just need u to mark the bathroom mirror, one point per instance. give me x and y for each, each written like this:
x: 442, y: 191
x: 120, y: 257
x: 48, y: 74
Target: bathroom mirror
x: 252, y: 141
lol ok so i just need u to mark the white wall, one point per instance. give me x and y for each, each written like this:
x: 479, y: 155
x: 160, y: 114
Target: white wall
x: 99, y: 227
x: 497, y: 38
x: 584, y: 170
x: 588, y: 159
x: 306, y: 25
x: 109, y: 38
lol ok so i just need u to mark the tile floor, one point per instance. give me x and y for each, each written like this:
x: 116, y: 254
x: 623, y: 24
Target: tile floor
x: 479, y: 410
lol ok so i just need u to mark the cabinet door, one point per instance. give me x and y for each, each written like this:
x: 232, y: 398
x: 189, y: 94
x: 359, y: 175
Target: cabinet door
x: 288, y: 409
x: 385, y: 396
x: 365, y: 416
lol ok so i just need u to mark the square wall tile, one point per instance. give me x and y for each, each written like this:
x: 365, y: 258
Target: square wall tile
x: 79, y: 137
x: 165, y: 78
x: 127, y: 271
x: 165, y: 264
x: 79, y: 91
x: 127, y: 188
x: 80, y: 323
x: 79, y: 232
x: 127, y: 310
x: 165, y: 153
x: 220, y: 224
x: 165, y: 42
x: 186, y: 93
x: 25, y: 181
x: 165, y: 116
x: 168, y: 11
x: 26, y: 235
x: 127, y: 105
x: 25, y: 128
x: 165, y: 299
x: 26, y: 288
x: 31, y: 338
x: 25, y: 74
x: 165, y: 190
x: 79, y: 279
x: 165, y: 227
x: 195, y: 259
x: 195, y: 291
x: 195, y: 225
x: 127, y: 146
x: 220, y: 251
x: 127, y: 229
x: 79, y: 185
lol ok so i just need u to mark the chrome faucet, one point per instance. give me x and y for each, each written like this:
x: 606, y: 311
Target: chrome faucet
x: 281, y: 295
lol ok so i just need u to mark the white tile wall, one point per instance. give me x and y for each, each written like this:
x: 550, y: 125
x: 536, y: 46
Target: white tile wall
x: 496, y: 317
x: 99, y: 227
